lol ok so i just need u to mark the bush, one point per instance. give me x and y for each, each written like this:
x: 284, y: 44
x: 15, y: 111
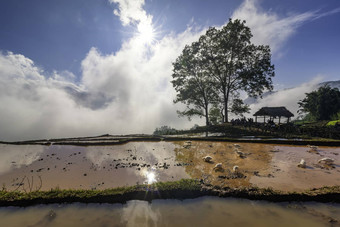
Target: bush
x: 165, y: 130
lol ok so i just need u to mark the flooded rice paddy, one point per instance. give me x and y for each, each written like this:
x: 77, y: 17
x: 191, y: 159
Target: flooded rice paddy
x: 36, y: 167
x: 205, y: 211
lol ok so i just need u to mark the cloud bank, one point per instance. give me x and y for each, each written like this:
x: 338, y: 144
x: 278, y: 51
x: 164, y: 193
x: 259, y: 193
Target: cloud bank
x: 287, y: 97
x: 125, y: 92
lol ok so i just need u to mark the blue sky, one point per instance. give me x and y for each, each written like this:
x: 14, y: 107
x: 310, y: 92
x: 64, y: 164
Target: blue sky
x: 57, y: 35
x: 85, y: 61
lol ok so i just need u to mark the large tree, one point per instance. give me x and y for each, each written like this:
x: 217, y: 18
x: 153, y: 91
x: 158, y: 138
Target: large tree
x: 321, y: 104
x: 228, y: 63
x: 235, y: 63
x: 192, y: 83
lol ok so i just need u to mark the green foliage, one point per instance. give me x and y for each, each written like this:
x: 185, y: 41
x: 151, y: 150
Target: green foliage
x: 321, y: 104
x: 239, y: 108
x: 336, y: 116
x: 333, y: 123
x: 192, y: 83
x: 164, y: 130
x: 235, y: 63
x: 215, y: 115
x: 218, y: 66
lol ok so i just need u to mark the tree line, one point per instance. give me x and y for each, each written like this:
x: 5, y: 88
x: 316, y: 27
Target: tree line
x: 321, y: 104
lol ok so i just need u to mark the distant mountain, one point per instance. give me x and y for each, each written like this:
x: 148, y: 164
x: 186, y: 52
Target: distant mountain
x: 332, y: 84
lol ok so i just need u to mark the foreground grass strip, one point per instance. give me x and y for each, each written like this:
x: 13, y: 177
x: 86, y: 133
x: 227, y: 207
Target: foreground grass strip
x: 185, y: 188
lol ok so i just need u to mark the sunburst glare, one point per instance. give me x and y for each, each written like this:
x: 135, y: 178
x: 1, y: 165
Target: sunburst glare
x: 146, y: 32
x: 150, y: 176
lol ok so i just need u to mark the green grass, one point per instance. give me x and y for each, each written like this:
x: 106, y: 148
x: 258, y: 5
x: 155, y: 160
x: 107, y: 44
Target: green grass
x: 184, y: 184
x: 175, y: 189
x: 333, y: 123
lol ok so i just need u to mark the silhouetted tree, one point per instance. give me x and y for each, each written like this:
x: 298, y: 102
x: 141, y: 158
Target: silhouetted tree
x: 164, y: 130
x: 215, y: 115
x: 227, y: 62
x: 239, y: 108
x: 192, y: 83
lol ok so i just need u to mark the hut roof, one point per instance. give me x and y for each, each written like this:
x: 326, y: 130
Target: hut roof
x: 274, y: 112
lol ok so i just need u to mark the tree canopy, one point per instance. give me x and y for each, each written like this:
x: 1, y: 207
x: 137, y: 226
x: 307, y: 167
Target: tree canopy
x: 321, y: 104
x: 194, y: 86
x: 218, y: 66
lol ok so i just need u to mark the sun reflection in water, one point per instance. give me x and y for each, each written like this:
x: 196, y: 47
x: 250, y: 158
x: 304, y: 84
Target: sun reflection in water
x: 150, y: 176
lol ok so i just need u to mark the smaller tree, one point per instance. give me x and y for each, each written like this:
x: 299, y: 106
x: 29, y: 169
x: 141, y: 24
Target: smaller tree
x: 164, y: 130
x: 192, y: 83
x: 321, y: 104
x: 239, y: 108
x: 216, y: 115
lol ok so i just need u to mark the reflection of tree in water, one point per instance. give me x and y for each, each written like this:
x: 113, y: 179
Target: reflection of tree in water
x: 31, y: 184
x: 46, y: 220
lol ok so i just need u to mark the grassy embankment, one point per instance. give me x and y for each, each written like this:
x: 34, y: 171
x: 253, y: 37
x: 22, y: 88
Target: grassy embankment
x: 183, y: 189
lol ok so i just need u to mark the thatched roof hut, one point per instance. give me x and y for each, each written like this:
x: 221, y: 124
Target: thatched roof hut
x: 273, y: 112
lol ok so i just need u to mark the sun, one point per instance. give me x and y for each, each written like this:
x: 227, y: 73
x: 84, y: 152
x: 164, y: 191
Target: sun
x: 146, y: 33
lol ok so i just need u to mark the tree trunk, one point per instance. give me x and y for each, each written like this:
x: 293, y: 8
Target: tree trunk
x: 226, y: 99
x: 226, y: 111
x: 206, y: 120
x: 206, y: 109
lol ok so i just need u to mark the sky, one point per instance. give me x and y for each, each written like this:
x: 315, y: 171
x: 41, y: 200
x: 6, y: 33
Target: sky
x: 82, y: 68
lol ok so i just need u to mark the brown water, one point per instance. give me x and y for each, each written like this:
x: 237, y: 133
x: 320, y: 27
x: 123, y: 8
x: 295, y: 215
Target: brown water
x: 35, y: 167
x: 262, y: 165
x: 287, y: 176
x: 32, y: 167
x: 206, y: 211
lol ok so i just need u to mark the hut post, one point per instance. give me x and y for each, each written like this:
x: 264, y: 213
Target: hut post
x: 279, y: 119
x: 264, y: 119
x: 255, y: 119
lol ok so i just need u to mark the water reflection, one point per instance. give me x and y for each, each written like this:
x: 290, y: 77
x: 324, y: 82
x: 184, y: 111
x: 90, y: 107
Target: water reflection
x: 101, y: 167
x: 150, y: 176
x: 205, y: 211
x: 14, y: 157
x: 93, y: 167
x: 140, y: 213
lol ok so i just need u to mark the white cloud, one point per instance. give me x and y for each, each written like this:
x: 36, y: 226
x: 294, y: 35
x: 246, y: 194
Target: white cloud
x: 130, y: 11
x: 269, y: 28
x: 125, y: 92
x: 287, y: 97
x: 334, y: 11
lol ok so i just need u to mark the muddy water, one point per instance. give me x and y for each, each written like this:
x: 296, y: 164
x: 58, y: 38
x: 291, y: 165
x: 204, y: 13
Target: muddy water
x: 31, y: 167
x: 288, y: 177
x: 206, y: 211
x: 34, y: 167
x: 256, y: 158
x: 262, y: 165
